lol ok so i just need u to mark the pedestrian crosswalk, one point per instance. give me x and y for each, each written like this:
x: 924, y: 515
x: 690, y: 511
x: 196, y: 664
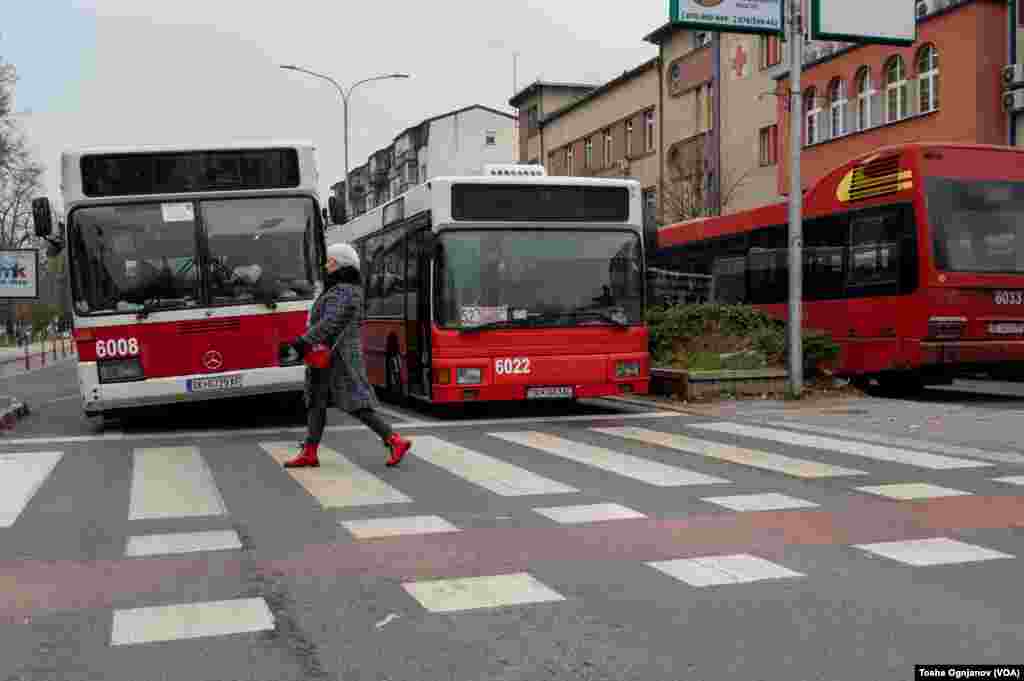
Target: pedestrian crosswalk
x: 537, y: 469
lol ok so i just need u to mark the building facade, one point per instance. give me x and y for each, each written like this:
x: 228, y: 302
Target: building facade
x: 459, y: 142
x: 947, y: 87
x: 686, y: 124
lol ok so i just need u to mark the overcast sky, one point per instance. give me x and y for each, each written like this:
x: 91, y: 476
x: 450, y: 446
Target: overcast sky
x: 99, y: 72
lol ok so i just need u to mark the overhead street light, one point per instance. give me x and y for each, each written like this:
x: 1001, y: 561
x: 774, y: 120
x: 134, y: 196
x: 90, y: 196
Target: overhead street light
x: 345, y: 97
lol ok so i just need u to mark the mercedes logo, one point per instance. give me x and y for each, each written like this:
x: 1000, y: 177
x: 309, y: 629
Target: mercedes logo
x: 213, y: 360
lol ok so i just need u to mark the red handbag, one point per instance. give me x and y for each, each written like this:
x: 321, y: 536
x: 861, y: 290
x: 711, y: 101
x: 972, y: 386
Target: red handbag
x: 319, y: 356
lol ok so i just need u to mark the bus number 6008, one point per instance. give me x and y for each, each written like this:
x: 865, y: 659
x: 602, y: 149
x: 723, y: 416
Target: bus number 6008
x: 120, y: 347
x: 517, y: 365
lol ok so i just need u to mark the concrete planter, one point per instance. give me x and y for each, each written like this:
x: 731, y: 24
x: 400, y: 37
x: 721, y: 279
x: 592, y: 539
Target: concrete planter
x: 694, y: 385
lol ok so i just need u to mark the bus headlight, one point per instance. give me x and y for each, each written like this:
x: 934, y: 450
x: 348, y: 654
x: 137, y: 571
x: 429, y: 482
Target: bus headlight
x: 116, y: 370
x: 627, y: 369
x: 468, y: 375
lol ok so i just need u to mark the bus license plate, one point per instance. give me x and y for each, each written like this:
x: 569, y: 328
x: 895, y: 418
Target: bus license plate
x: 555, y: 393
x: 1009, y: 297
x: 195, y: 385
x: 1006, y: 329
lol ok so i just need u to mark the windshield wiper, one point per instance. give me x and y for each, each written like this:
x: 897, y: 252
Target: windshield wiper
x: 601, y: 314
x: 149, y: 307
x: 501, y: 323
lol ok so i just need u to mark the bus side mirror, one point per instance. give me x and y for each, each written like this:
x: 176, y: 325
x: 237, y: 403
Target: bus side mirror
x: 337, y: 210
x: 42, y: 216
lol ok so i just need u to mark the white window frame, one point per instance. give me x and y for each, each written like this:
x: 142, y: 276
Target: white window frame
x: 811, y: 116
x: 608, y: 149
x: 629, y: 138
x: 864, y: 96
x: 570, y: 162
x: 898, y: 89
x: 930, y: 76
x: 588, y: 153
x: 837, y: 108
x: 649, y: 130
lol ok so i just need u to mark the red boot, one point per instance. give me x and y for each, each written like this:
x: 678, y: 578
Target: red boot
x: 399, y: 446
x: 307, y: 459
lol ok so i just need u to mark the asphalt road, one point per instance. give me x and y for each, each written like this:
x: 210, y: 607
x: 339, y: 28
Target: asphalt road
x: 602, y: 541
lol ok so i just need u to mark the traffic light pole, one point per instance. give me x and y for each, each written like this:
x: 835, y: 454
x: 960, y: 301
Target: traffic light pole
x: 796, y: 364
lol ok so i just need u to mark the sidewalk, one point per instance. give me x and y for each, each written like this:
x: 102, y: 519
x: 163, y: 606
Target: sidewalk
x: 12, y: 352
x: 40, y: 355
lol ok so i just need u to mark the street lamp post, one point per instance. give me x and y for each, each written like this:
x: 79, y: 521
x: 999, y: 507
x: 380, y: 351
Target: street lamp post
x: 344, y: 98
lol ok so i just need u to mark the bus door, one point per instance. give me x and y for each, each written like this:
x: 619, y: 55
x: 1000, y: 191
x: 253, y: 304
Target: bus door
x: 418, y: 313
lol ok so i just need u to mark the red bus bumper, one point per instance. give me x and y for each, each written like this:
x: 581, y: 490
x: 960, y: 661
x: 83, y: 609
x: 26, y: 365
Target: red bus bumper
x: 517, y: 393
x: 541, y: 377
x: 971, y: 352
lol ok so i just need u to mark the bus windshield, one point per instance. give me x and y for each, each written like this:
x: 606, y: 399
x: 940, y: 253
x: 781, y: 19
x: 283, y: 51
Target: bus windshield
x: 127, y: 257
x: 978, y: 224
x: 539, y: 277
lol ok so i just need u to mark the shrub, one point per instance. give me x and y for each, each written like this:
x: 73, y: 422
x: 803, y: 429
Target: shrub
x: 689, y: 334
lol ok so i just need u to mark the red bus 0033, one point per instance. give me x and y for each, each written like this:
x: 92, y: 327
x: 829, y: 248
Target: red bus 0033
x: 187, y: 267
x: 505, y: 286
x: 913, y: 260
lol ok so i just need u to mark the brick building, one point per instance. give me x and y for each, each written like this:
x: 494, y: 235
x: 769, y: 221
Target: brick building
x: 946, y: 87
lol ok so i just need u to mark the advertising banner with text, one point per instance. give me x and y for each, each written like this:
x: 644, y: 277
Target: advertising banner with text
x: 19, y: 274
x: 729, y: 16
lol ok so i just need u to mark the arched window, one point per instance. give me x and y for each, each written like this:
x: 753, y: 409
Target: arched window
x: 837, y: 106
x: 895, y: 89
x: 864, y: 90
x: 811, y: 112
x: 928, y: 75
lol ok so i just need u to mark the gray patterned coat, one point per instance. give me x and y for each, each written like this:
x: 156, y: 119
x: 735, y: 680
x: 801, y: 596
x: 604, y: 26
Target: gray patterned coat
x: 336, y: 317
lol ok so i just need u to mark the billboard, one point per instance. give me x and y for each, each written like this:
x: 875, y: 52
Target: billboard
x: 885, y: 22
x: 728, y: 16
x: 19, y: 274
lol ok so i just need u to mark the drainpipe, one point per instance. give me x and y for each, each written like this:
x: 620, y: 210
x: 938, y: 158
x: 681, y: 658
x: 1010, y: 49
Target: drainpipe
x: 716, y: 121
x: 540, y: 127
x: 660, y: 118
x: 1011, y: 16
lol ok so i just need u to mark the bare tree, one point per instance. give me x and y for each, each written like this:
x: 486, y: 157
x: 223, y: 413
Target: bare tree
x: 685, y: 193
x: 10, y: 142
x: 20, y: 182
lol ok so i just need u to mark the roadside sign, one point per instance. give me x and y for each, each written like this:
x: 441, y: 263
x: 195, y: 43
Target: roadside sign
x: 729, y: 16
x: 878, y: 22
x: 19, y: 274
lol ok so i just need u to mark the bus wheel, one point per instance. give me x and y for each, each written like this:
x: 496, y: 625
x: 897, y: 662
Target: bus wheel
x: 395, y: 388
x: 901, y: 384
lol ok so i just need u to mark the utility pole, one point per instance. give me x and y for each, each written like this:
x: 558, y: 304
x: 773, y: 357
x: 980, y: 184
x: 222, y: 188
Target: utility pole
x: 796, y: 197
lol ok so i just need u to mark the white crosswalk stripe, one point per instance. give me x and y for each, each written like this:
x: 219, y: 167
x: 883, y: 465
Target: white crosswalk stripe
x: 865, y: 450
x: 337, y: 483
x: 908, y: 443
x: 626, y: 465
x: 737, y: 455
x: 172, y: 482
x: 21, y: 476
x: 488, y: 472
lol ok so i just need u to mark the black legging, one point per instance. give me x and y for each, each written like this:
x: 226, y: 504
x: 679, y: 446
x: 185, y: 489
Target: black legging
x: 316, y: 421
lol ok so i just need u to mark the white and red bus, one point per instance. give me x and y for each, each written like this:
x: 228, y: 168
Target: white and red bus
x: 187, y: 267
x: 507, y: 286
x: 913, y: 260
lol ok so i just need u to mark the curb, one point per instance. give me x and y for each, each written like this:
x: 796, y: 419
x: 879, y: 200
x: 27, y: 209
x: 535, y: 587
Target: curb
x: 11, y: 414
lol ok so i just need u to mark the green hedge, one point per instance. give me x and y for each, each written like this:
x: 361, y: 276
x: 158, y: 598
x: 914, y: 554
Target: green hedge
x: 675, y: 326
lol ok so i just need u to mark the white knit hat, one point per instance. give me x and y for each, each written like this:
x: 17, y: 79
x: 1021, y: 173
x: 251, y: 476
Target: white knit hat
x: 344, y: 254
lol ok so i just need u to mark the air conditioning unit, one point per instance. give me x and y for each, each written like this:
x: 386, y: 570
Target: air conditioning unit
x: 1013, y: 76
x: 1014, y: 101
x: 514, y: 170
